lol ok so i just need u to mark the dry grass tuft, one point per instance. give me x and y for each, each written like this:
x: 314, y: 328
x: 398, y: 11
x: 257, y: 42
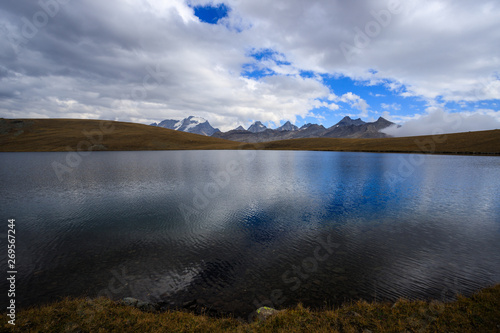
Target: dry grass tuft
x: 478, y: 313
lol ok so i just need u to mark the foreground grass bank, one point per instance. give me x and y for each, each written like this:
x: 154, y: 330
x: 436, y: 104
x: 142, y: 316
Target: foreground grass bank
x: 478, y: 313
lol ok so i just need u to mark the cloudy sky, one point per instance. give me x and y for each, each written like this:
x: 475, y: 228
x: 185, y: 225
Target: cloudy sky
x: 427, y: 63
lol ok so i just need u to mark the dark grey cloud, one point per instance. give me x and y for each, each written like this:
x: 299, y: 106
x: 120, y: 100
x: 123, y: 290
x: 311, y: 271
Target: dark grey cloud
x: 152, y: 59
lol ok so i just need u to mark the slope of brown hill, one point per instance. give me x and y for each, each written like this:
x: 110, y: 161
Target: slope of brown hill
x: 481, y: 143
x: 75, y: 134
x: 59, y: 134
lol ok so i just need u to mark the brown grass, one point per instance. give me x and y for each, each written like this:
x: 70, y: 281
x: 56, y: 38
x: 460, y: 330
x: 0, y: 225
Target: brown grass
x: 69, y: 134
x: 483, y: 142
x: 478, y: 313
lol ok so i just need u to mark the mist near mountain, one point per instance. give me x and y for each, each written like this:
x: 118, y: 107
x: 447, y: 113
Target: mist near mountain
x: 441, y: 122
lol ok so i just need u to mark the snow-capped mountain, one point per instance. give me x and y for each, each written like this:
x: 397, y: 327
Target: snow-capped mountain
x: 346, y: 128
x: 169, y: 123
x: 257, y: 127
x: 287, y: 127
x: 190, y: 124
x: 258, y: 132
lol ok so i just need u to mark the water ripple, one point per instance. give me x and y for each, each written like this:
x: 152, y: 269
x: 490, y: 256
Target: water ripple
x: 156, y: 225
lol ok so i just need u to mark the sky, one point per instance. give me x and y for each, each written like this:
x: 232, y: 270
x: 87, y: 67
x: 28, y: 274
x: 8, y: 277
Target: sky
x: 429, y: 65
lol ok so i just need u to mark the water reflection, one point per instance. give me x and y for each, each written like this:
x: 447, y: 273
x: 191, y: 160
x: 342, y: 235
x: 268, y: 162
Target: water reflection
x: 235, y: 229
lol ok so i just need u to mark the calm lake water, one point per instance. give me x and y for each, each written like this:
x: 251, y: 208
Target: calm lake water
x: 235, y: 230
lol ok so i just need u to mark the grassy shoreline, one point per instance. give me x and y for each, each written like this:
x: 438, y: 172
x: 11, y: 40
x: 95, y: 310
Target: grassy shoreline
x: 478, y: 313
x: 63, y: 135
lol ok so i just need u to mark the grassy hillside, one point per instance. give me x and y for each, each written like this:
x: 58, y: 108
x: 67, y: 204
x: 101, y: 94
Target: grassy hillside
x: 59, y: 134
x: 483, y: 142
x: 478, y: 313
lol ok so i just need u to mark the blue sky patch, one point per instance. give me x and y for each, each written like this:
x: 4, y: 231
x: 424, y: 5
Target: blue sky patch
x: 269, y: 54
x: 256, y: 72
x: 211, y: 14
x: 379, y: 97
x: 257, y: 69
x: 369, y: 100
x: 307, y: 74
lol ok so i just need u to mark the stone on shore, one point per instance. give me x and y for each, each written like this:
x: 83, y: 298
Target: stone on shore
x: 141, y: 305
x: 265, y: 312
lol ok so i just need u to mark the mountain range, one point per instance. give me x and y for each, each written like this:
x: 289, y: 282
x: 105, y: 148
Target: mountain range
x: 191, y: 124
x: 258, y: 132
x: 30, y: 135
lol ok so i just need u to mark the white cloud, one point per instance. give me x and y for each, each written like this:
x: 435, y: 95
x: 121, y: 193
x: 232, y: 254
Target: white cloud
x: 159, y: 61
x: 393, y: 106
x: 356, y: 102
x: 92, y: 59
x: 435, y: 48
x: 441, y: 122
x: 331, y: 106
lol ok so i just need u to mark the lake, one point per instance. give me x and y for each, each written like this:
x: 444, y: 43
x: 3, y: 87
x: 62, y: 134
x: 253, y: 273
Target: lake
x: 235, y: 230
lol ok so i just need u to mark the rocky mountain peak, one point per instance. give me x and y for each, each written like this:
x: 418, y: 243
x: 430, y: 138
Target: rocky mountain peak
x: 191, y: 124
x: 257, y: 127
x: 347, y: 121
x: 288, y: 126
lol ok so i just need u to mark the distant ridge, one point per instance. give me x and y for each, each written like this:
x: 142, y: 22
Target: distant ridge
x: 71, y: 135
x: 346, y: 128
x: 258, y: 132
x: 347, y: 121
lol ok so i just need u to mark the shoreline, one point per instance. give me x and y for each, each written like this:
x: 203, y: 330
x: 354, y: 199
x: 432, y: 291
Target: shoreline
x: 478, y: 312
x: 449, y: 153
